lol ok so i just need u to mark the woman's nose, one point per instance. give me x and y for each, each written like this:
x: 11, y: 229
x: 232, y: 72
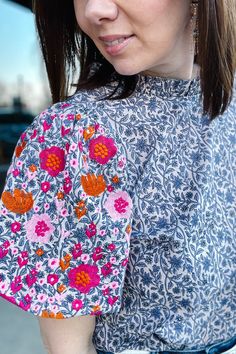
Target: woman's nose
x: 98, y: 10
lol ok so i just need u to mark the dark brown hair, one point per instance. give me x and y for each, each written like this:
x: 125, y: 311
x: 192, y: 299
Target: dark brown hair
x: 66, y: 48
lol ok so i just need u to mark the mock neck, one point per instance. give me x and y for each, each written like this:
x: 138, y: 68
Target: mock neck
x: 167, y: 87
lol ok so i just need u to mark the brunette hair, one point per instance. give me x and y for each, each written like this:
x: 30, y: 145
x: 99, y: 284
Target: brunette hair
x: 66, y: 48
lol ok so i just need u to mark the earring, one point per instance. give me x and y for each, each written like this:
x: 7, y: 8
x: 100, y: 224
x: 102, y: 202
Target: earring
x: 195, y: 24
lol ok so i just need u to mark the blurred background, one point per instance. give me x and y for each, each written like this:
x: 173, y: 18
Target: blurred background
x: 24, y: 92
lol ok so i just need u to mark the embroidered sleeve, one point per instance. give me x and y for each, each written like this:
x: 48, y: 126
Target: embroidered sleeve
x: 65, y: 219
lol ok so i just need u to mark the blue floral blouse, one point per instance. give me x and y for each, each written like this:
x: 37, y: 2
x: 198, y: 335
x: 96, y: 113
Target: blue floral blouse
x: 126, y: 210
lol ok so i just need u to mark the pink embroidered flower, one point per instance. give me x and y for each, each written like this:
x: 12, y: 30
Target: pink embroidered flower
x: 52, y: 279
x: 64, y: 212
x: 84, y: 278
x: 77, y: 304
x: 39, y: 228
x: 85, y: 257
x: 102, y: 149
x: 52, y: 160
x: 74, y: 163
x: 53, y: 263
x: 41, y: 297
x: 45, y: 186
x: 113, y: 260
x: 118, y: 205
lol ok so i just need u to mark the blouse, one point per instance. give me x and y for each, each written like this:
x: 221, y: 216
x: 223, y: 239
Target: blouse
x: 126, y: 210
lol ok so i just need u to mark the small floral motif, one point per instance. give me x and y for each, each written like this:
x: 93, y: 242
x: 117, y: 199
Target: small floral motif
x: 84, y: 278
x: 88, y: 133
x: 119, y: 205
x: 39, y: 228
x: 102, y: 149
x: 52, y: 160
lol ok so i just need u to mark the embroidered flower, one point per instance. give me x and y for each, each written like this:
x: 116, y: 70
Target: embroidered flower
x: 19, y: 202
x: 15, y: 227
x: 102, y: 149
x: 93, y: 185
x: 53, y: 263
x: 52, y: 160
x: 118, y: 205
x: 45, y: 186
x: 52, y: 279
x: 39, y: 228
x: 77, y: 304
x: 84, y: 277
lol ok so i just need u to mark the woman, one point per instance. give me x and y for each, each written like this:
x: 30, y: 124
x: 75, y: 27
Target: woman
x: 119, y: 203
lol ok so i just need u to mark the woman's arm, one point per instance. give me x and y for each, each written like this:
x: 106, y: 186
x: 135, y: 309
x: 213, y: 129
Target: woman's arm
x: 68, y: 336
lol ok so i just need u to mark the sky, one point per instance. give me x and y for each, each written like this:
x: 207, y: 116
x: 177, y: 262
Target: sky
x: 21, y: 67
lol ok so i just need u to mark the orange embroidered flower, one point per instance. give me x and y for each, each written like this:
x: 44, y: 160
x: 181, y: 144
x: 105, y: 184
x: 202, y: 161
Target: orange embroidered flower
x: 88, y: 133
x: 96, y: 308
x: 115, y: 179
x: 93, y: 185
x: 33, y: 168
x: 20, y: 202
x: 67, y: 257
x: 78, y: 116
x: 60, y: 195
x: 19, y: 148
x: 52, y: 160
x: 39, y: 252
x: 61, y: 288
x: 102, y: 149
x: 80, y: 209
x: 64, y: 264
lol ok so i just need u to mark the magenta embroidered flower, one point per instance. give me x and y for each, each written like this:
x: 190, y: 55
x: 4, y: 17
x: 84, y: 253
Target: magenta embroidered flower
x: 67, y: 185
x: 52, y: 160
x: 15, y: 227
x: 39, y: 228
x: 84, y: 278
x: 102, y: 149
x: 112, y: 247
x: 41, y: 139
x: 110, y: 188
x: 77, y: 304
x: 45, y: 186
x: 119, y: 205
x: 52, y: 279
x: 15, y: 173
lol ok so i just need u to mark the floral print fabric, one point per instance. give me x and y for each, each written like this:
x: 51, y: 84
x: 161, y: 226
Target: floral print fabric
x: 65, y: 217
x: 136, y: 202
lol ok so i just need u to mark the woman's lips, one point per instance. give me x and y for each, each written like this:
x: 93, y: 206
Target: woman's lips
x: 115, y: 44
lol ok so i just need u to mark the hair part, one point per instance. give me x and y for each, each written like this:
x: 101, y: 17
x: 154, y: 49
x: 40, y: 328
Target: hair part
x: 64, y: 46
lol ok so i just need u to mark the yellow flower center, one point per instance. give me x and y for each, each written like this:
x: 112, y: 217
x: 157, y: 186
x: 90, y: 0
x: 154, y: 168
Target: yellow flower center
x: 101, y: 150
x: 82, y: 278
x: 53, y: 161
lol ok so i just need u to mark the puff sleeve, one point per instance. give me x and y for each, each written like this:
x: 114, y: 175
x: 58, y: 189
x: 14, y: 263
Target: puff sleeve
x: 65, y: 218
